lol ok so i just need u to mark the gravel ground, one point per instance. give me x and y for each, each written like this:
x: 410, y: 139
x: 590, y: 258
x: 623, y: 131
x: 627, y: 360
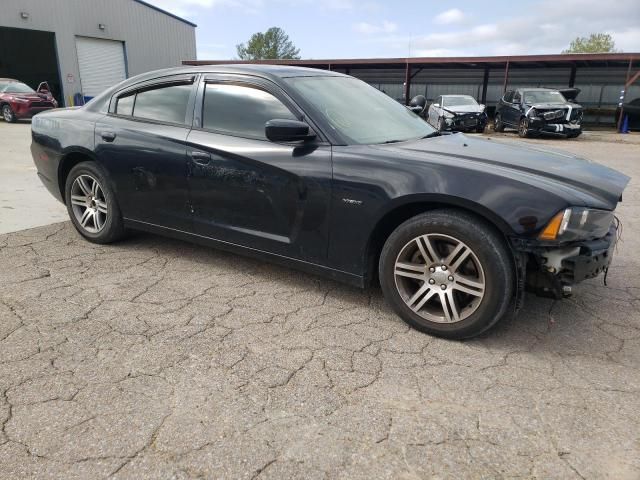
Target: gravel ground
x: 154, y: 358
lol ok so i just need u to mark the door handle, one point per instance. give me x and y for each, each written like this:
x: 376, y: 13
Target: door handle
x: 201, y: 158
x: 108, y: 136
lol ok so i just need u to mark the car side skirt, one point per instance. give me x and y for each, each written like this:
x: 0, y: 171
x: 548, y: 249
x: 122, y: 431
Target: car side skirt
x: 312, y: 268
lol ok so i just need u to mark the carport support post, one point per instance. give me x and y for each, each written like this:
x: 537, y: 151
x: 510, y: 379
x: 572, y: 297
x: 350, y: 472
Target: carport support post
x: 506, y: 77
x: 485, y: 83
x: 407, y: 83
x: 572, y: 76
x: 624, y: 94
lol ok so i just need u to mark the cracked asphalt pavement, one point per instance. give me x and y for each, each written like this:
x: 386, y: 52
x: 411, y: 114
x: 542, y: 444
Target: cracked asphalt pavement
x: 154, y: 358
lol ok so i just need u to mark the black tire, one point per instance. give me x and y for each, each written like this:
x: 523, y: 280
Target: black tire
x: 8, y: 115
x: 498, y: 125
x: 113, y: 226
x: 489, y: 249
x: 480, y: 129
x: 576, y: 134
x: 523, y: 127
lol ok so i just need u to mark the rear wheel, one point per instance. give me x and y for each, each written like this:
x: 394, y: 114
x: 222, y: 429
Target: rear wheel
x: 447, y: 273
x: 498, y: 126
x: 92, y: 205
x: 7, y: 114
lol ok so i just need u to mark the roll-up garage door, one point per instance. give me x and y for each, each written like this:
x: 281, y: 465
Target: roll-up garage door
x: 101, y: 64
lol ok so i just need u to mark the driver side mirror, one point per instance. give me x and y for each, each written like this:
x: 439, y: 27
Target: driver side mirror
x: 281, y: 130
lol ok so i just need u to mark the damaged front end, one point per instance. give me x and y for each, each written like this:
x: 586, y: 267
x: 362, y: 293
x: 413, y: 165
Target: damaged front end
x: 549, y: 268
x: 464, y: 121
x: 560, y: 120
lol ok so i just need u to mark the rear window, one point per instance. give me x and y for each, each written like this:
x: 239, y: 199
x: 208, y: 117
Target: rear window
x: 164, y: 104
x: 167, y: 103
x: 125, y: 105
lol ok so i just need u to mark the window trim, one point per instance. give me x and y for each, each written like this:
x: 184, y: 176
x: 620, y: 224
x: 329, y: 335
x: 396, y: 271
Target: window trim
x: 153, y: 84
x: 259, y: 83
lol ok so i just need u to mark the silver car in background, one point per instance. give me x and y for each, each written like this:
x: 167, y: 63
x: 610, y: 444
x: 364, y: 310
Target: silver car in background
x: 460, y: 113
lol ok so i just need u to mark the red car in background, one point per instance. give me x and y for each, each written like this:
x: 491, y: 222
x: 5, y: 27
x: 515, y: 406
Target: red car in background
x: 18, y: 100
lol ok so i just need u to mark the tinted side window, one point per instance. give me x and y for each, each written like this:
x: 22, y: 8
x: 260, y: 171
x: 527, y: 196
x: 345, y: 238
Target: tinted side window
x: 508, y: 96
x: 125, y: 104
x: 240, y: 110
x: 164, y: 104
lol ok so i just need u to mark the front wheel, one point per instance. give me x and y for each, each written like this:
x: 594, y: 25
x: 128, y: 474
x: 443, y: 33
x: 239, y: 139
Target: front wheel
x: 447, y: 273
x: 8, y: 115
x: 92, y: 204
x: 523, y: 127
x: 498, y: 125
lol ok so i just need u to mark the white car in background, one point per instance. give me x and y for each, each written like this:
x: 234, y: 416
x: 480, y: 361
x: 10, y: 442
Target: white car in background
x: 460, y: 113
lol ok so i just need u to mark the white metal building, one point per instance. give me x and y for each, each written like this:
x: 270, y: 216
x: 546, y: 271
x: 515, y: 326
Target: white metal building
x: 85, y: 46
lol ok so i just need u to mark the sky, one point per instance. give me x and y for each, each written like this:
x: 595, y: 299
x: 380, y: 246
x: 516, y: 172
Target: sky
x: 325, y: 29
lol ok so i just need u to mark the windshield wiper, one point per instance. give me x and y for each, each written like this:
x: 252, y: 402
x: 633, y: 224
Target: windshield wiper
x: 392, y: 141
x: 432, y: 134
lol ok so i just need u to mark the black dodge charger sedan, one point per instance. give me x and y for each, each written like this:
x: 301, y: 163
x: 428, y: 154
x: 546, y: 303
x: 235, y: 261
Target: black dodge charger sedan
x: 320, y: 171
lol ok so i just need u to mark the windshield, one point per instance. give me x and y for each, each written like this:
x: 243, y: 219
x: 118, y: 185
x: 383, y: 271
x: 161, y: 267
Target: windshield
x: 358, y: 112
x: 458, y: 100
x: 543, y: 96
x: 15, y: 87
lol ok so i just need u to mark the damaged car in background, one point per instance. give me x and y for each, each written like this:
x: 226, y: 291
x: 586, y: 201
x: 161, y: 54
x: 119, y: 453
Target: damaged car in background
x: 459, y: 113
x: 539, y: 111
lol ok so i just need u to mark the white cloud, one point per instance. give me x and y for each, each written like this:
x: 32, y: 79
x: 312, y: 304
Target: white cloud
x: 369, y: 28
x: 532, y: 32
x: 448, y: 17
x: 627, y: 40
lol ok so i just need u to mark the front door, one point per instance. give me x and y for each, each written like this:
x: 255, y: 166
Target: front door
x: 250, y: 191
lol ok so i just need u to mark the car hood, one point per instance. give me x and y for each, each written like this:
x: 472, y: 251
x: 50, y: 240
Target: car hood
x: 464, y: 109
x: 586, y: 178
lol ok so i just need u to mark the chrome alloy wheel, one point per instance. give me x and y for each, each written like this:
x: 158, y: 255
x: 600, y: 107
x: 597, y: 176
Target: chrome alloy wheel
x: 440, y: 278
x: 6, y: 113
x: 89, y: 203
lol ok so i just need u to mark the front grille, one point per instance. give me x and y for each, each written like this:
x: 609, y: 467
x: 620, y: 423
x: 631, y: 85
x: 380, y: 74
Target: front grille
x: 552, y: 115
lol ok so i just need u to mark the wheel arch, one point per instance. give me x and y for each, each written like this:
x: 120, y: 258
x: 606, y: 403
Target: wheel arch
x: 408, y: 207
x: 67, y: 162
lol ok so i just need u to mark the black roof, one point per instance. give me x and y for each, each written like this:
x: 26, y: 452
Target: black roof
x: 270, y: 72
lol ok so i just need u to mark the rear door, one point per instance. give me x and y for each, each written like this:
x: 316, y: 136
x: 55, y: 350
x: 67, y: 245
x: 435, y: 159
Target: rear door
x: 250, y: 191
x: 142, y: 142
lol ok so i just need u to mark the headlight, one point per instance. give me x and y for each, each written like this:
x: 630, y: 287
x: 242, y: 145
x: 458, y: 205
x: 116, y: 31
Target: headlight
x: 578, y: 224
x: 22, y: 100
x: 533, y: 114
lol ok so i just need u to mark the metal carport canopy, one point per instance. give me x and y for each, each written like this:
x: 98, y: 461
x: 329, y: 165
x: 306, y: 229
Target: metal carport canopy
x: 506, y: 62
